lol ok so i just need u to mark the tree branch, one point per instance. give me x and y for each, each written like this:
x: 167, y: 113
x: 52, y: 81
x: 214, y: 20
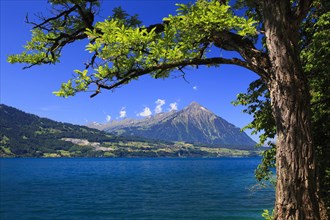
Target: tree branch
x: 64, y: 38
x: 64, y: 13
x: 302, y: 10
x: 258, y: 61
x: 87, y: 17
x: 134, y: 73
x: 233, y: 42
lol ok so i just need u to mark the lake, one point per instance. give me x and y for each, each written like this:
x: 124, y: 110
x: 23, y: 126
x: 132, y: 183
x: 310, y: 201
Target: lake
x: 151, y: 189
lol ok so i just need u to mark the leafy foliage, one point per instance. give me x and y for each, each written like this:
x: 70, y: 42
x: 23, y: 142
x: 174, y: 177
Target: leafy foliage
x: 316, y: 56
x: 257, y: 102
x: 52, y: 34
x: 267, y: 215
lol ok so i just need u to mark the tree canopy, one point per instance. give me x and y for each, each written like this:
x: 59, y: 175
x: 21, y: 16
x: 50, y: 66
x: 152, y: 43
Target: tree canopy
x: 122, y: 50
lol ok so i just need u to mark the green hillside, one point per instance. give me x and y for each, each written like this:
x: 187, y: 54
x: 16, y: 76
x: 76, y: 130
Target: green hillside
x: 28, y: 135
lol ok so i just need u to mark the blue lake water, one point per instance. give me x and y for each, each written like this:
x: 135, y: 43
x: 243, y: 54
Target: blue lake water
x: 150, y: 189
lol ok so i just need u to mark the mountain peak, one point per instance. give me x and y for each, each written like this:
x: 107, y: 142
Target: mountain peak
x: 195, y: 107
x: 194, y: 104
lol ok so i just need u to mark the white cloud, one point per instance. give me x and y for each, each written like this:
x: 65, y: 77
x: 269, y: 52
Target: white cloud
x: 159, y: 104
x: 173, y: 106
x: 108, y: 118
x: 146, y: 112
x: 195, y: 88
x: 122, y: 113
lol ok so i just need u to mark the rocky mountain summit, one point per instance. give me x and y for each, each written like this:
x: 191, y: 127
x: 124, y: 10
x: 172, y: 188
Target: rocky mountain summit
x: 194, y: 124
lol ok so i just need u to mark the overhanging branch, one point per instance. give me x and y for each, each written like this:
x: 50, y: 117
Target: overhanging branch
x: 64, y: 13
x: 258, y: 60
x: 302, y: 10
x: 56, y: 44
x: 134, y: 73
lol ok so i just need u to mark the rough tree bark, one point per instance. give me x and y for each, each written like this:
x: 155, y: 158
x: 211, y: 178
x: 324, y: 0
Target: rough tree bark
x: 296, y: 189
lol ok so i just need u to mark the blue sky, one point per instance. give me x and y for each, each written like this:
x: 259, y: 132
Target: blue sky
x: 31, y: 90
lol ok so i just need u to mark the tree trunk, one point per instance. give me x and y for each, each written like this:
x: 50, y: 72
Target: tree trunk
x: 296, y: 188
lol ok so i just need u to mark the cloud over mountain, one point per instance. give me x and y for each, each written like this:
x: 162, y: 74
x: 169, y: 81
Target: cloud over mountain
x: 146, y: 112
x: 122, y: 113
x: 173, y: 106
x: 159, y: 104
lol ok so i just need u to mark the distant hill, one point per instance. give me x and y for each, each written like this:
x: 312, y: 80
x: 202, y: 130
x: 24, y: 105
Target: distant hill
x: 193, y: 124
x: 29, y: 135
